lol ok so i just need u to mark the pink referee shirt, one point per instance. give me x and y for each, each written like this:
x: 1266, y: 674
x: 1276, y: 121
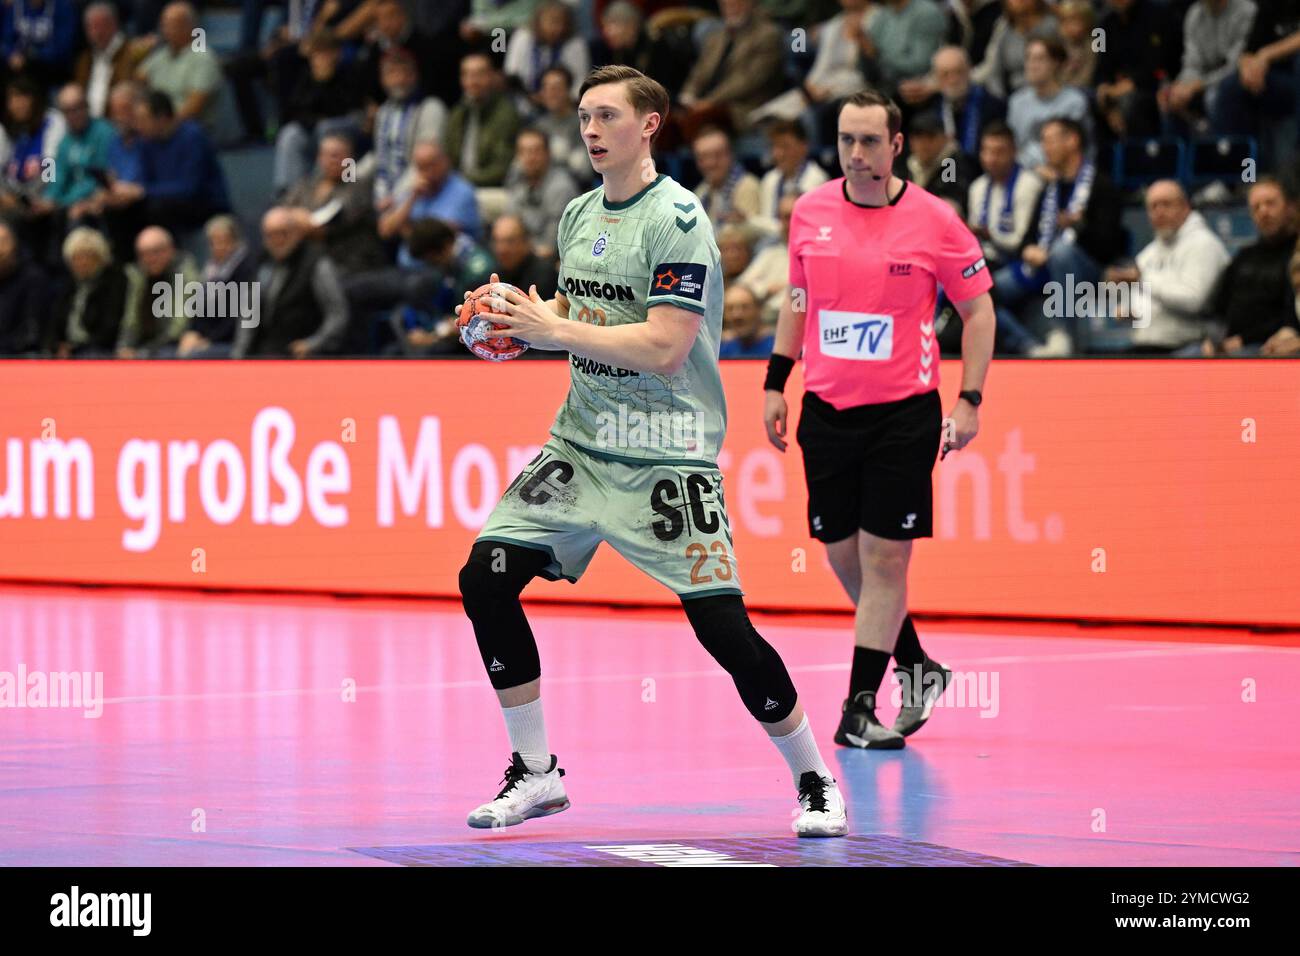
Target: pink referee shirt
x: 870, y: 277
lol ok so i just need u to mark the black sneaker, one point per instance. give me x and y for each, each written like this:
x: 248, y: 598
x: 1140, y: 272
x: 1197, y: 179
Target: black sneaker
x: 860, y: 728
x: 920, y: 696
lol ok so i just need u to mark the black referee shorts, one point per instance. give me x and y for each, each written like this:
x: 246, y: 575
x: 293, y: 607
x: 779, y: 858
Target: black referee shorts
x: 868, y: 467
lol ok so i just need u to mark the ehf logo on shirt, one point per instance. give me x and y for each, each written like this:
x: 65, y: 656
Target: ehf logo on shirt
x: 682, y: 279
x: 600, y: 245
x: 900, y: 268
x: 861, y: 336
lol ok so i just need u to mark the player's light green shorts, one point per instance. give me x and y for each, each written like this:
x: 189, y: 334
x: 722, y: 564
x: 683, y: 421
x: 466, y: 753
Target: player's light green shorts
x: 668, y: 520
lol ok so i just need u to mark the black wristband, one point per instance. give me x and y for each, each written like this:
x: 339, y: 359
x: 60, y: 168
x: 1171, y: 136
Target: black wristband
x: 779, y: 368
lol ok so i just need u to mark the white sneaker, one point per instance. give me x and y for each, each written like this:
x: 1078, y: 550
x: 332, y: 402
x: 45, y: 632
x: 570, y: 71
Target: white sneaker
x: 526, y: 794
x: 1058, y: 345
x: 823, y: 808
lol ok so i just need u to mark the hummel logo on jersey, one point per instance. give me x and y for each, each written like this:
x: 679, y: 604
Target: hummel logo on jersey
x: 910, y: 522
x: 496, y: 665
x: 771, y: 704
x: 973, y: 268
x: 824, y: 234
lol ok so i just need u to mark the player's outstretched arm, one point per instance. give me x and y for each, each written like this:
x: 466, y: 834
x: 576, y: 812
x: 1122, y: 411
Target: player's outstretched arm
x: 658, y: 345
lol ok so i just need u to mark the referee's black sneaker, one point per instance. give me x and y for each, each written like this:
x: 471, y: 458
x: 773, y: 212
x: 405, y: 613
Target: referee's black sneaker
x: 919, y: 696
x: 860, y: 728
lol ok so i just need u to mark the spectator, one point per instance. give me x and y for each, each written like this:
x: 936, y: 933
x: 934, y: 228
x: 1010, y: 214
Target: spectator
x: 151, y: 283
x: 792, y: 174
x: 29, y: 141
x: 1215, y: 33
x: 970, y: 25
x: 767, y: 275
x: 435, y: 191
x: 1142, y: 42
x: 836, y: 71
x: 625, y: 41
x: 517, y: 263
x: 303, y: 309
x: 1002, y: 71
x: 126, y: 147
x: 902, y: 39
x: 1178, y: 270
x: 965, y: 107
x: 1002, y: 202
x: 181, y: 184
x: 489, y: 15
x: 559, y: 122
x: 230, y: 264
x: 282, y: 60
x: 190, y: 76
x: 23, y: 297
x: 109, y: 58
x: 738, y: 68
x: 334, y: 209
x: 538, y: 190
x: 735, y: 250
x: 1254, y: 295
x: 550, y: 40
x: 38, y: 39
x: 1041, y: 99
x: 935, y: 162
x: 326, y: 98
x: 88, y: 316
x: 406, y: 118
x: 453, y: 263
x: 728, y: 192
x: 742, y: 330
x: 83, y: 152
x: 1077, y: 19
x: 1263, y: 86
x: 481, y: 131
x: 1075, y: 231
x: 392, y: 29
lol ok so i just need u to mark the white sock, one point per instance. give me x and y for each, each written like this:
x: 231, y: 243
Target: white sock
x: 527, y: 733
x: 800, y: 751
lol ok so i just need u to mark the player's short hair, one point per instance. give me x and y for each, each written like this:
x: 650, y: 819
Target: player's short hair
x: 645, y: 94
x: 1070, y: 125
x: 998, y: 130
x: 430, y: 236
x: 871, y: 97
x: 787, y: 128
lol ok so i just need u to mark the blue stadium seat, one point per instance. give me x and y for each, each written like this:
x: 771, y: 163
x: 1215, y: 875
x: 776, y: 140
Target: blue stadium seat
x: 1220, y: 158
x: 1141, y: 161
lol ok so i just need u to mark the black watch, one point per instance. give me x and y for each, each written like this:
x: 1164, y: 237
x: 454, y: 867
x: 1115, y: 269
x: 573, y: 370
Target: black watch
x: 972, y: 396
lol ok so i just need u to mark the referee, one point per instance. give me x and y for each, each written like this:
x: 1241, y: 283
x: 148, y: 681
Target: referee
x: 867, y: 253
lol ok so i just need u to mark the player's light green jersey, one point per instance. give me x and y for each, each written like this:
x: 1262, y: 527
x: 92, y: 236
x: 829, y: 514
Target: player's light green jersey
x: 617, y: 260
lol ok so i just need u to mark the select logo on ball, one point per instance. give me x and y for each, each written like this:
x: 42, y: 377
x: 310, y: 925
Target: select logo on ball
x: 477, y: 330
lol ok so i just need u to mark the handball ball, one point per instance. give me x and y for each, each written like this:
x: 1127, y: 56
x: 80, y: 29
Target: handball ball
x: 476, y: 326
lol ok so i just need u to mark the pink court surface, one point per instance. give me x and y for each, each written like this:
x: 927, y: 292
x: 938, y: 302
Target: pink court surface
x: 295, y: 730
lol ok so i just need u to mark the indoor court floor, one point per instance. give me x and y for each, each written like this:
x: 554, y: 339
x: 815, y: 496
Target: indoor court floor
x: 276, y: 730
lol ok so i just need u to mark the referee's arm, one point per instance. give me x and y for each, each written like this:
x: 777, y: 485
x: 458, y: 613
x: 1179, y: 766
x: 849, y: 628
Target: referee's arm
x: 785, y: 349
x: 979, y: 326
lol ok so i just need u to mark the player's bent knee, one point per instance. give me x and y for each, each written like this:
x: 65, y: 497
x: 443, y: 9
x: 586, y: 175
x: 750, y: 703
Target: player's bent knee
x: 723, y: 627
x: 495, y: 572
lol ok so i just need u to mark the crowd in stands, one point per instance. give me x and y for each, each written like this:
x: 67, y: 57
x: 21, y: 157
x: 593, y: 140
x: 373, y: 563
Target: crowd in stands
x: 1142, y: 150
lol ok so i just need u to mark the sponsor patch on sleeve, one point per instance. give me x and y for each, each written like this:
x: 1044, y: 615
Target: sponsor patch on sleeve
x: 973, y: 268
x: 682, y: 279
